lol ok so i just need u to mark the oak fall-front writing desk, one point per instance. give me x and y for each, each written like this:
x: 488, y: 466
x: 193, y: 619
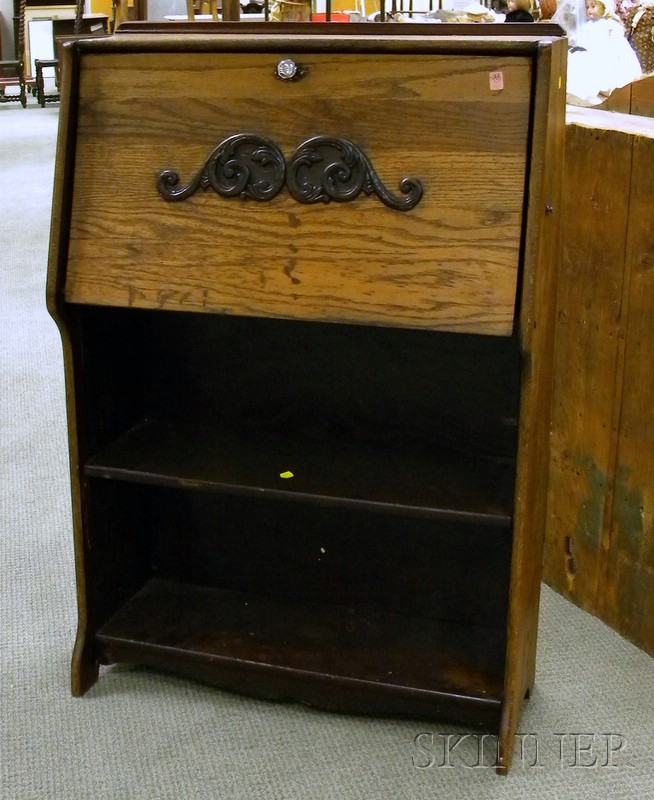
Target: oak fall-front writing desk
x: 309, y: 428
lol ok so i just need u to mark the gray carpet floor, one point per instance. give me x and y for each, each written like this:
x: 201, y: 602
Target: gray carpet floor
x: 138, y: 734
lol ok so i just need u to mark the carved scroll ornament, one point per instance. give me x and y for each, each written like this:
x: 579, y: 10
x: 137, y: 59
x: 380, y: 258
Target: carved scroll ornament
x: 325, y: 169
x: 321, y: 169
x: 243, y: 165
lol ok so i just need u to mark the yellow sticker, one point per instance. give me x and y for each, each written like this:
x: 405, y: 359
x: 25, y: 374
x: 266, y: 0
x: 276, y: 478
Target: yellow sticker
x: 285, y: 474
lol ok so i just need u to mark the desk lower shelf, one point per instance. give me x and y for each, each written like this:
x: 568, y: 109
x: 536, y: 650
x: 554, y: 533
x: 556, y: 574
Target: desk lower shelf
x: 325, y: 655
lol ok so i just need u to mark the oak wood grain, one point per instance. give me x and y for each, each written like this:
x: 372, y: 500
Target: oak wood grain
x: 536, y: 337
x: 450, y: 263
x: 85, y: 665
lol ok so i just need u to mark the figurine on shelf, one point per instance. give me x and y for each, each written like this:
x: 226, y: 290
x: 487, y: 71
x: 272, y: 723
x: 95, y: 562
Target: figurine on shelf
x: 476, y: 12
x: 571, y: 16
x: 519, y: 11
x: 601, y: 59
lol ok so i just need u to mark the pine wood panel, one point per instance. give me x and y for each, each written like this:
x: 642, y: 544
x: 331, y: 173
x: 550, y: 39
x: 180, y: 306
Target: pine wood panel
x: 627, y: 599
x: 594, y: 230
x: 642, y: 97
x: 635, y: 98
x: 450, y: 263
x: 599, y: 549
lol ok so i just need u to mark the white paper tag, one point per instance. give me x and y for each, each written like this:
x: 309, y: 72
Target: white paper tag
x: 496, y: 81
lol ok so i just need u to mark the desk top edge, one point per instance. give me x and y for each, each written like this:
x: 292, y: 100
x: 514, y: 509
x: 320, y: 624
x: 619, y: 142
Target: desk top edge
x: 416, y: 38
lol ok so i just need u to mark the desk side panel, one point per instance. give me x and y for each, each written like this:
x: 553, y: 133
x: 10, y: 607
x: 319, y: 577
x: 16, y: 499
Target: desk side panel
x: 536, y: 335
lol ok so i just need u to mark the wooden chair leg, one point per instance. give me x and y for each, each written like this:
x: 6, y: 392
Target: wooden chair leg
x: 40, y: 65
x: 16, y: 66
x: 40, y: 84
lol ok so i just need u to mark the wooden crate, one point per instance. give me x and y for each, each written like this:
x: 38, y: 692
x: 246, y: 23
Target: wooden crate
x: 600, y: 542
x: 634, y: 98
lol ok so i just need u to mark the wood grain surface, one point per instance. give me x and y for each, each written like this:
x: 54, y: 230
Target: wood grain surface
x: 536, y: 337
x: 642, y: 97
x: 599, y: 547
x: 589, y: 309
x: 450, y: 263
x: 627, y: 599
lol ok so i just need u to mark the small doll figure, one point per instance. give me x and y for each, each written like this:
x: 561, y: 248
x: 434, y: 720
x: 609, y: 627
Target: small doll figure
x: 519, y: 11
x: 602, y: 59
